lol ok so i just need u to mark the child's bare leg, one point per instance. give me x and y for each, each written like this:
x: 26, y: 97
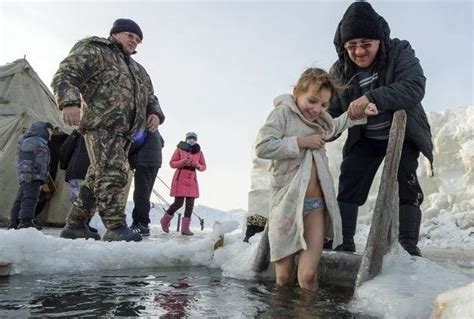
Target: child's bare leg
x: 309, y: 259
x: 314, y: 236
x: 285, y: 271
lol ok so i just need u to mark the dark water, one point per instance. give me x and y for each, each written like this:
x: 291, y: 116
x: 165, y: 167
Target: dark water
x: 185, y: 292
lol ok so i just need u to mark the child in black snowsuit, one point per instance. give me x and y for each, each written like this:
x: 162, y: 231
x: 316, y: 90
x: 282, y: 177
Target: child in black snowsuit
x: 32, y: 168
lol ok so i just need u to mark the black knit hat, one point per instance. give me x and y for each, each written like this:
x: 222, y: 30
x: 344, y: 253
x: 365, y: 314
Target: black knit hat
x: 123, y: 25
x: 360, y: 21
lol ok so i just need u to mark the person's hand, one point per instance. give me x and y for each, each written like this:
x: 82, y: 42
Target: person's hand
x: 152, y: 122
x: 71, y: 115
x: 371, y: 110
x: 313, y: 141
x: 187, y: 161
x: 195, y: 164
x: 357, y: 107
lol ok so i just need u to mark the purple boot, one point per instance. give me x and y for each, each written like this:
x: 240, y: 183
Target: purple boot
x: 185, y: 226
x: 165, y: 222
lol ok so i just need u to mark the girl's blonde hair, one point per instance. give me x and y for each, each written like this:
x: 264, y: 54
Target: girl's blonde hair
x: 320, y: 78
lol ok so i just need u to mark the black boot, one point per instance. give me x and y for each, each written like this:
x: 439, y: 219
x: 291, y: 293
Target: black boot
x: 28, y: 223
x: 122, y: 233
x: 349, y: 214
x: 409, y: 228
x: 13, y: 224
x: 78, y: 231
x: 92, y: 229
x: 252, y: 230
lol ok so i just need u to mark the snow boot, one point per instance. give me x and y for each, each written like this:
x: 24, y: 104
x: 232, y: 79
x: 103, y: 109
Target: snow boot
x: 165, y: 222
x: 349, y: 214
x: 92, y: 229
x: 347, y: 245
x: 252, y: 230
x: 185, y: 226
x: 13, y: 224
x: 28, y: 223
x: 409, y: 228
x: 122, y: 233
x: 71, y: 231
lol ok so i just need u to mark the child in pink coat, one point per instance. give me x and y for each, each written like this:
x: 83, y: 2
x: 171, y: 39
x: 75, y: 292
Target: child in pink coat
x: 187, y: 158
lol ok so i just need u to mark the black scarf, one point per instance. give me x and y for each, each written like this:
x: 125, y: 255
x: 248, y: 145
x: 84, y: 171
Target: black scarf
x: 188, y: 148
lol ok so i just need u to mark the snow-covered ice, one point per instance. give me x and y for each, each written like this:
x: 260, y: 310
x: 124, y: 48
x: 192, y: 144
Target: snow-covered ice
x: 406, y: 288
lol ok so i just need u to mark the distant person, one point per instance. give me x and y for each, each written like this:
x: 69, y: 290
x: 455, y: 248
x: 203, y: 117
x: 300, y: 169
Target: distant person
x: 32, y: 169
x: 187, y: 158
x: 145, y: 158
x: 303, y: 207
x: 73, y: 158
x: 119, y: 103
x: 384, y: 72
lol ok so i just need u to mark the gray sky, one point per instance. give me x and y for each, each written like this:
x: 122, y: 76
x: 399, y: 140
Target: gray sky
x: 216, y: 66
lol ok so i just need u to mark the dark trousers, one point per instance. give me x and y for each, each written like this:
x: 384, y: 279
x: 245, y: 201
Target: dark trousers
x: 358, y: 170
x: 178, y: 202
x: 360, y: 165
x: 25, y: 202
x: 144, y: 180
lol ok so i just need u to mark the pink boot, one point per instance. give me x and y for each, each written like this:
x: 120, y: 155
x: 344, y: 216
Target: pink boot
x: 185, y: 226
x: 165, y: 222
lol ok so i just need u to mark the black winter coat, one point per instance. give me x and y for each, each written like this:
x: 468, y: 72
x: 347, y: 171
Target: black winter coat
x: 73, y: 157
x: 401, y: 86
x: 147, y: 152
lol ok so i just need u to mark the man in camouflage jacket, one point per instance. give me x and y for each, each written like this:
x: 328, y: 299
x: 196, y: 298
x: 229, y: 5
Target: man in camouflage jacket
x: 118, y: 103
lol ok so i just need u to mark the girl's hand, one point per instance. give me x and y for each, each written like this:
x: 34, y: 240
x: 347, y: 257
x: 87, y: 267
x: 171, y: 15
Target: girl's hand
x: 187, y: 161
x: 371, y: 109
x: 313, y: 141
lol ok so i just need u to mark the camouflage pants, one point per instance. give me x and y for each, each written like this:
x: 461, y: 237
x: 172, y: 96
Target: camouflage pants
x: 106, y: 179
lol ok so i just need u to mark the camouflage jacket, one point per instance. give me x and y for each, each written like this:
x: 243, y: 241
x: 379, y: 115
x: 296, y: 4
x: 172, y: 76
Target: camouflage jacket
x: 32, y: 156
x: 117, y: 91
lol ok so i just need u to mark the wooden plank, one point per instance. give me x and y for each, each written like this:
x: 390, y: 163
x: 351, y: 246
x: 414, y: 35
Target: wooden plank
x: 384, y: 227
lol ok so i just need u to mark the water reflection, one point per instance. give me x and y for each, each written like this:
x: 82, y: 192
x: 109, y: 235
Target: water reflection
x: 191, y: 292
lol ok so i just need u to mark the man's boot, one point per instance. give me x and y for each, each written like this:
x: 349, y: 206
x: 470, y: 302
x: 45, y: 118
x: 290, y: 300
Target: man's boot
x: 409, y: 228
x: 28, y: 223
x: 165, y: 222
x: 71, y: 231
x: 349, y: 214
x: 185, y: 227
x: 13, y: 224
x: 92, y: 229
x: 122, y: 233
x: 252, y: 230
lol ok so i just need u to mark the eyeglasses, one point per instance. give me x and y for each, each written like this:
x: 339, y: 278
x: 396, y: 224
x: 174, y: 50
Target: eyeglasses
x: 365, y: 45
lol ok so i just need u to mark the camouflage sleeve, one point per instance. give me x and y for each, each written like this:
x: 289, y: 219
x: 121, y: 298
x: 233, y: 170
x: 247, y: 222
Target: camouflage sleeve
x: 153, y: 106
x: 80, y: 65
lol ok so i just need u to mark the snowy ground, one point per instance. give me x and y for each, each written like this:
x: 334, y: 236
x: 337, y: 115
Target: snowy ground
x: 406, y: 288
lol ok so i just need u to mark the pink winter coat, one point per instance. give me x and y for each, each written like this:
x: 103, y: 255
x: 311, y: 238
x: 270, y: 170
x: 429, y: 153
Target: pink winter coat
x: 185, y: 182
